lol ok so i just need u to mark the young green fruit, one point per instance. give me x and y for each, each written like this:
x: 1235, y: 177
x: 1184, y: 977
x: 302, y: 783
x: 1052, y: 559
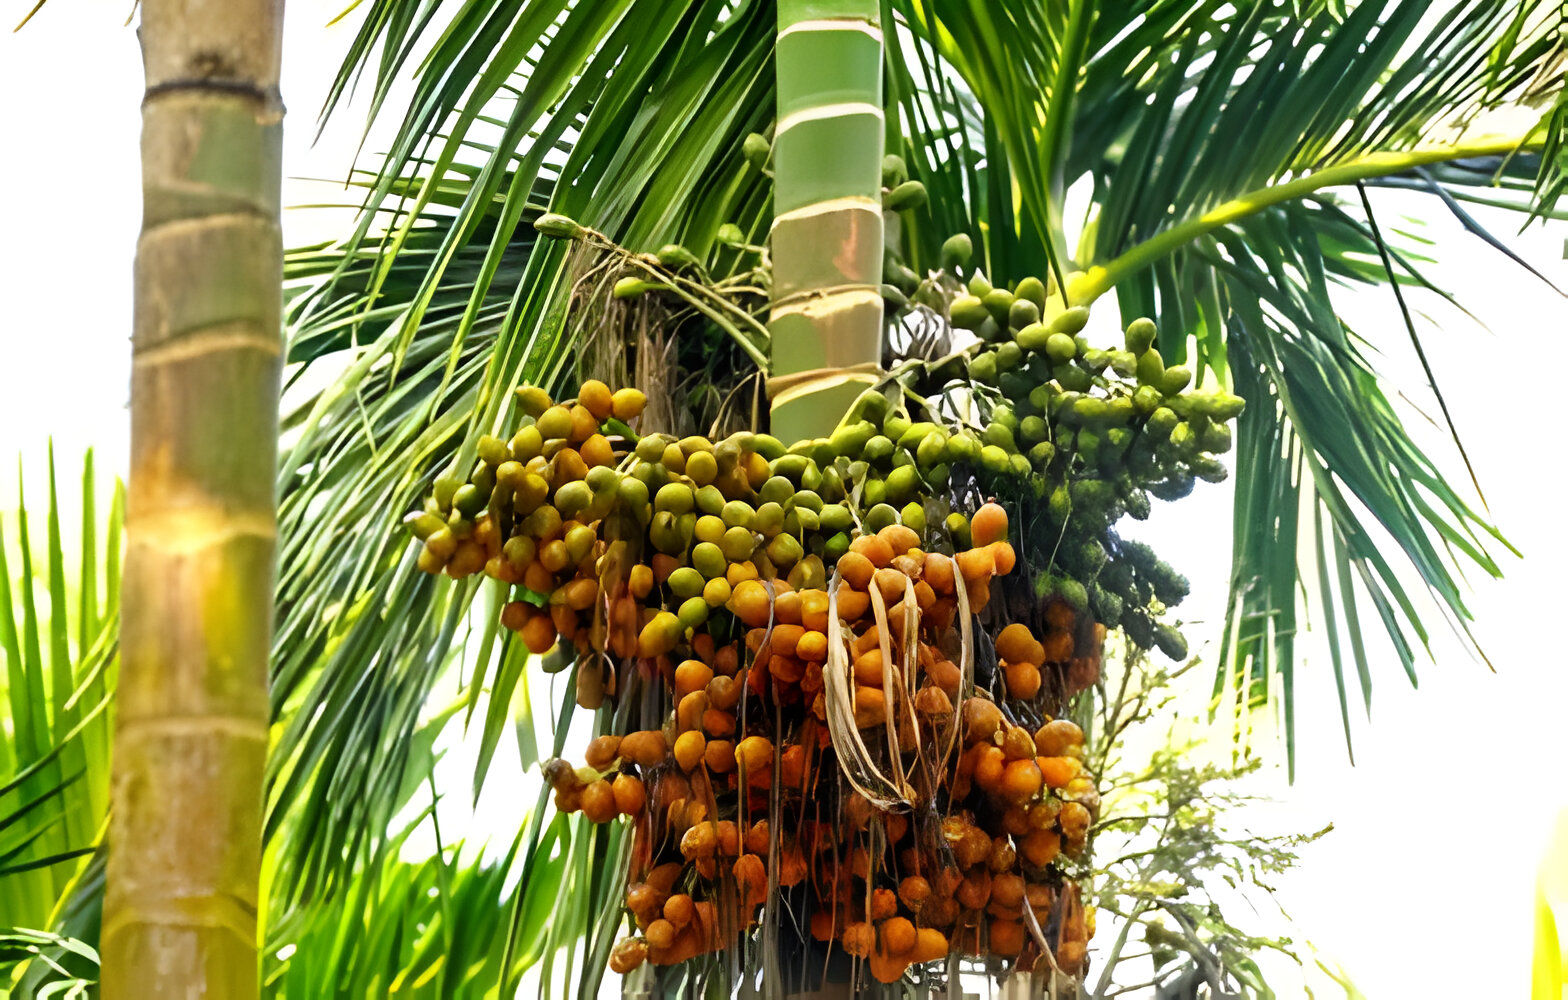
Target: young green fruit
x: 957, y: 251
x: 906, y: 197
x: 1060, y: 348
x: 880, y: 516
x: 1021, y: 313
x: 1071, y: 321
x: 894, y: 171
x: 1140, y: 335
x: 1032, y: 289
x: 1176, y: 379
x: 1151, y: 369
x: 559, y: 226
x: 967, y: 312
x: 756, y: 149
x: 999, y: 303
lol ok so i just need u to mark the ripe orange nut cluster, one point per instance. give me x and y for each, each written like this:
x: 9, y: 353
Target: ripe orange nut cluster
x: 835, y: 706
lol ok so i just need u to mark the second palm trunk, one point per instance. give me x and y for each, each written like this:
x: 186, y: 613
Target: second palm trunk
x: 826, y: 320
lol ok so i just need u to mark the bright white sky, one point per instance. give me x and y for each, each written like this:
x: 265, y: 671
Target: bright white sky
x: 1427, y: 879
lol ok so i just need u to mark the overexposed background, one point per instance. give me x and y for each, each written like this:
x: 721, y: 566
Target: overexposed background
x: 1426, y: 883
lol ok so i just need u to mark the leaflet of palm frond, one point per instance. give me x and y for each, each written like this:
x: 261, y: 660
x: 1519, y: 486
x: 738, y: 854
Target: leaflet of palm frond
x: 61, y: 657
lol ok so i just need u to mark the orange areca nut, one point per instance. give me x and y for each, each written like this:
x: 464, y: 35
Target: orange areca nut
x: 814, y: 610
x: 724, y: 692
x: 596, y: 397
x: 645, y: 749
x: 1057, y: 738
x: 598, y: 802
x: 898, y: 935
x: 539, y: 634
x: 716, y: 722
x: 1074, y: 820
x: 750, y: 602
x: 873, y: 548
x: 792, y: 768
x: 813, y: 647
x: 678, y: 910
x: 932, y: 701
x: 689, y: 713
x: 887, y: 968
x: 1016, y: 743
x: 1022, y: 780
x: 982, y: 719
x: 884, y: 904
x: 645, y: 902
x: 859, y: 939
x: 751, y: 879
x: 870, y: 706
x: 945, y: 675
x: 627, y: 955
x: 1023, y: 680
x: 1006, y: 937
x: 691, y: 675
x: 1040, y: 847
x: 1003, y: 557
x: 720, y: 756
x: 660, y: 934
x: 603, y: 751
x: 689, y: 749
x: 1059, y: 772
x: 853, y: 604
x: 630, y: 795
x: 899, y: 538
x: 728, y: 837
x: 700, y: 841
x: 754, y: 754
x: 757, y: 838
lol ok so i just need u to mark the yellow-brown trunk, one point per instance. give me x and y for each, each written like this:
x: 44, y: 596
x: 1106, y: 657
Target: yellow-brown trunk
x: 191, y: 733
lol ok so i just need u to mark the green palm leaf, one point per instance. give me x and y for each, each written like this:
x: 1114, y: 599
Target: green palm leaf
x: 58, y: 635
x: 428, y: 927
x: 1215, y: 136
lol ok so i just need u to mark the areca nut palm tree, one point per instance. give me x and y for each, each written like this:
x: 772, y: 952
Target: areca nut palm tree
x: 1242, y: 130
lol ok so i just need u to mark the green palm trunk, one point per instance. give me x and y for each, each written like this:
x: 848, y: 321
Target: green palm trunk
x: 826, y: 319
x: 191, y: 735
x: 827, y: 240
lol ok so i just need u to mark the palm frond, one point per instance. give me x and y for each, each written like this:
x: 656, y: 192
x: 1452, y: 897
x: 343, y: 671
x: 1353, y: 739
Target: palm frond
x: 628, y: 118
x: 1551, y: 182
x: 53, y: 965
x: 58, y: 632
x: 1217, y: 137
x: 436, y: 924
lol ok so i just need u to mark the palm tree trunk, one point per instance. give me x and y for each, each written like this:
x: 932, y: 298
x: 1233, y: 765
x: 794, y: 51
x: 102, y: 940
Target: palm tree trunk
x: 826, y: 319
x: 191, y: 734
